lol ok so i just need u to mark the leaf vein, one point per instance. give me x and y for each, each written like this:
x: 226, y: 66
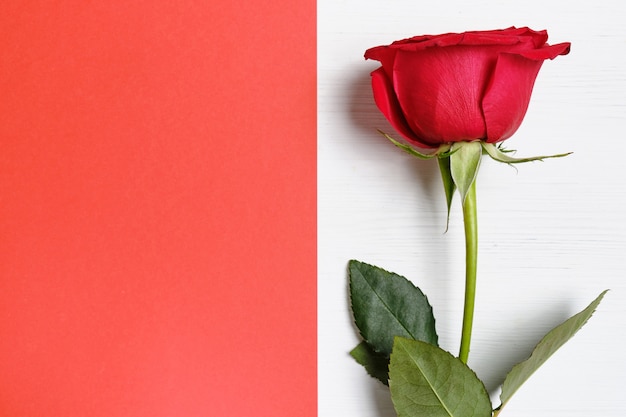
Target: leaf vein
x: 393, y: 314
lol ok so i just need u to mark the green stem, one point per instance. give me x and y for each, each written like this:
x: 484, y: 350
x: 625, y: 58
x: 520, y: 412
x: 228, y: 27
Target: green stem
x: 471, y: 252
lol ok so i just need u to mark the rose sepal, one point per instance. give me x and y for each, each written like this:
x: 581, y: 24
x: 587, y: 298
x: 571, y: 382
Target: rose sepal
x: 441, y: 152
x: 448, y: 184
x: 464, y: 163
x: 497, y: 153
x: 458, y: 171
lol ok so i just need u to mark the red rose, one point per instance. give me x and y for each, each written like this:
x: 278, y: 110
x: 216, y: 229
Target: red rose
x: 459, y: 86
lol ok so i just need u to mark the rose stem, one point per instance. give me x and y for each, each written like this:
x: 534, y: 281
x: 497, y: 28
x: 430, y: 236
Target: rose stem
x: 471, y: 252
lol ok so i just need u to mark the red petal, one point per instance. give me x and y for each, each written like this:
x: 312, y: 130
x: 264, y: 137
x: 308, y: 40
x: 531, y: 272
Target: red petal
x: 386, y: 101
x: 501, y: 37
x: 507, y: 96
x: 548, y: 52
x: 440, y: 91
x: 538, y: 38
x: 385, y: 55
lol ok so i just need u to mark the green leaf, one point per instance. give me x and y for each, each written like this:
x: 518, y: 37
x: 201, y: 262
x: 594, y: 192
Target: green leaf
x: 427, y: 381
x: 464, y: 163
x: 500, y: 155
x: 376, y: 364
x: 386, y: 305
x: 550, y: 343
x: 448, y: 183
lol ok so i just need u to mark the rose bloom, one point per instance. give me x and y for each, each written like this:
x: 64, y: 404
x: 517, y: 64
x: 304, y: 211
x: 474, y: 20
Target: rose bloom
x: 459, y: 86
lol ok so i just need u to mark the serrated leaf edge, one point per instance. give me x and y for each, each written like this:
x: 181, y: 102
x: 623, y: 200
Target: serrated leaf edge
x: 367, y: 368
x: 365, y: 339
x: 595, y: 303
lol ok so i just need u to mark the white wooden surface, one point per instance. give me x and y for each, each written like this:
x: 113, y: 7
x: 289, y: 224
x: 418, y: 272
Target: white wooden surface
x: 552, y: 234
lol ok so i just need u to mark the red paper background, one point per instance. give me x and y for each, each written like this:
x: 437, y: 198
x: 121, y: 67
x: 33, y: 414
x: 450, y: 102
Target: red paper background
x: 157, y: 208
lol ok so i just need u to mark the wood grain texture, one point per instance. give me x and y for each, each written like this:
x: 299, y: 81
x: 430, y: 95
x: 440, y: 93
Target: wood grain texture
x: 552, y: 234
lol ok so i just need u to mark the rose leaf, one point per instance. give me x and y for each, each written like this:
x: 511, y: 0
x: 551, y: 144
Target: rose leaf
x: 376, y: 364
x: 386, y: 305
x: 550, y: 343
x: 427, y: 381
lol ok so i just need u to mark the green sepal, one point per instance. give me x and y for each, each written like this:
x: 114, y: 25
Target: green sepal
x: 442, y: 150
x: 425, y: 380
x: 550, y: 343
x: 386, y: 305
x: 448, y: 183
x: 464, y: 163
x: 376, y: 364
x: 499, y: 154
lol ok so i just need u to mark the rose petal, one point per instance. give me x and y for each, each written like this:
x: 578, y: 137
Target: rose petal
x: 440, y: 91
x: 507, y: 96
x: 538, y: 38
x: 385, y: 55
x: 504, y: 37
x: 385, y: 99
x: 548, y: 51
x: 460, y: 86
